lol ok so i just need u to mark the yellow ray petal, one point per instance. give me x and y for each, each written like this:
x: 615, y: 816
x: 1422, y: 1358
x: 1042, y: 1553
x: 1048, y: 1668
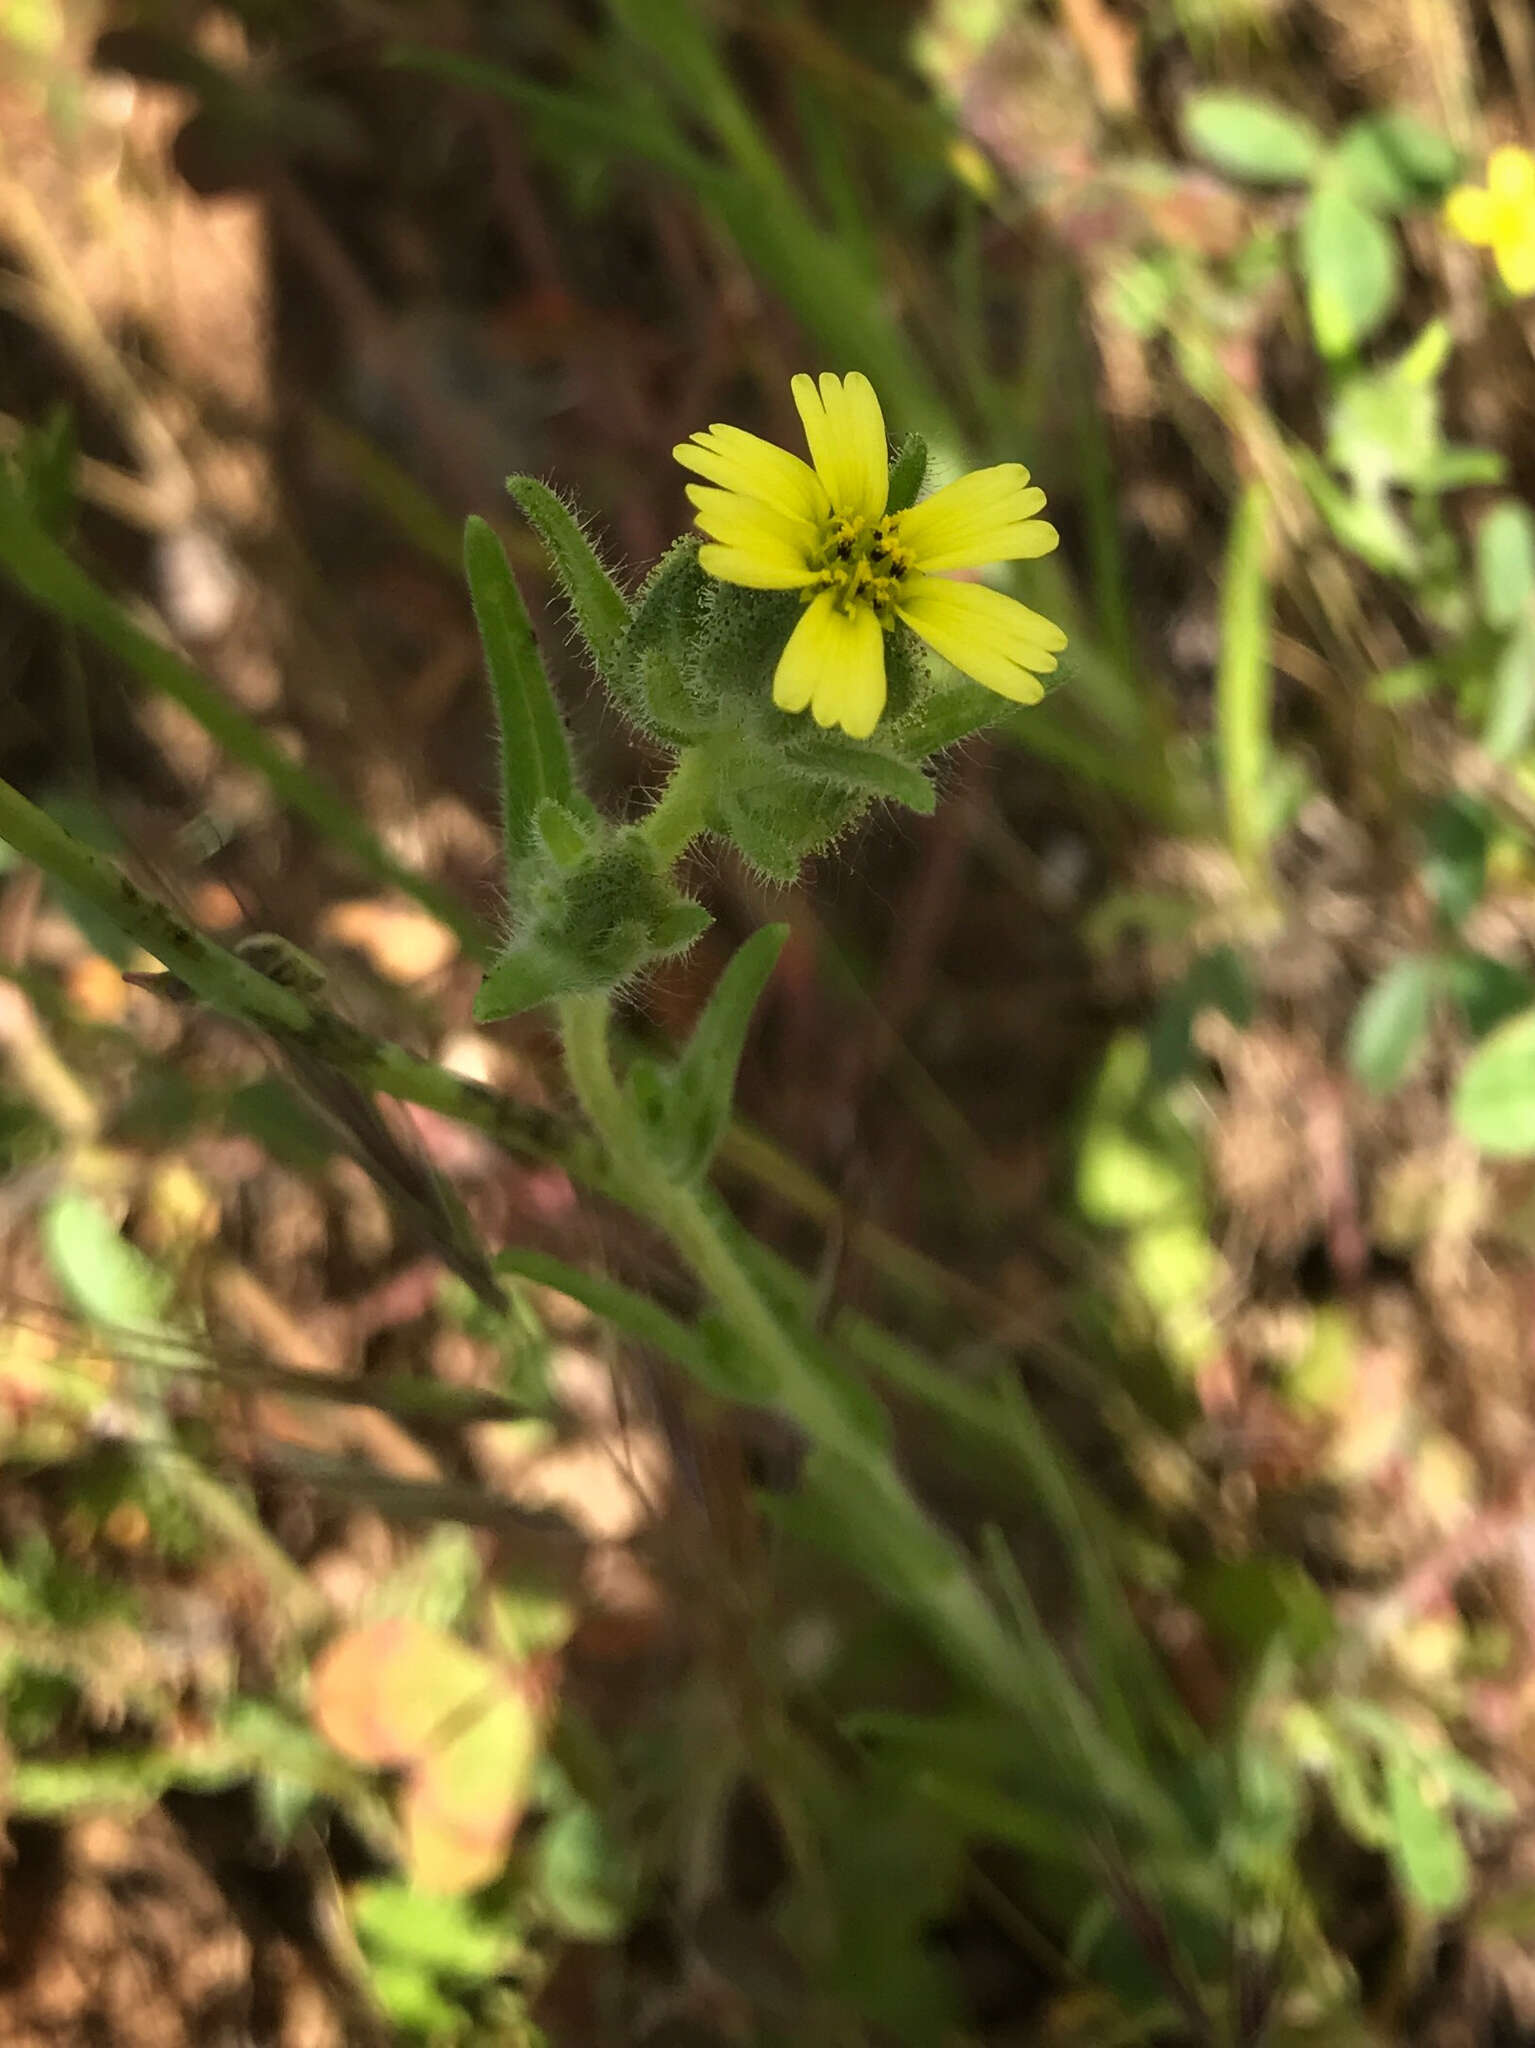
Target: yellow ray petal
x: 738, y: 461
x: 845, y: 432
x: 987, y: 516
x: 748, y: 523
x: 1516, y: 263
x: 754, y: 568
x: 835, y: 664
x: 1468, y: 213
x: 1025, y: 540
x: 984, y: 633
x: 1511, y: 176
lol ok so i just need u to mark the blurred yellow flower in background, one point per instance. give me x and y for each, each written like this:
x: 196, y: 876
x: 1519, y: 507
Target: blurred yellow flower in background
x: 1500, y: 216
x: 775, y: 522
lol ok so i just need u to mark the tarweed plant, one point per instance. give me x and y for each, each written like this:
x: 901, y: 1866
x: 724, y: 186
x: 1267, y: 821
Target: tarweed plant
x: 828, y: 582
x: 808, y: 576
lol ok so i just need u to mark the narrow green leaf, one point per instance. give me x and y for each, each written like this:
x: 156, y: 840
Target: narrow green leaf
x: 1353, y: 274
x: 700, y: 1089
x: 700, y: 1351
x: 52, y: 1788
x: 1243, y: 684
x: 1425, y: 1848
x: 582, y: 125
x: 1505, y: 563
x: 1494, y: 1104
x: 535, y: 755
x: 999, y: 1425
x: 43, y: 467
x: 962, y: 1761
x: 601, y: 611
x: 1511, y: 712
x: 996, y: 1817
x: 1458, y: 469
x: 1468, y: 1785
x: 1391, y: 1024
x: 1251, y: 138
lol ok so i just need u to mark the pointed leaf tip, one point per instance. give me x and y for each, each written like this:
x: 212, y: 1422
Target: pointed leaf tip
x: 600, y: 608
x: 535, y: 753
x: 690, y: 1106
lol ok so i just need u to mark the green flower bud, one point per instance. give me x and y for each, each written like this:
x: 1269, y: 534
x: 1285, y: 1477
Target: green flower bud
x: 594, y: 914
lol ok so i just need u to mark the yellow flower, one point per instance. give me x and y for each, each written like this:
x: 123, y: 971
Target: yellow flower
x: 1501, y: 216
x: 775, y: 523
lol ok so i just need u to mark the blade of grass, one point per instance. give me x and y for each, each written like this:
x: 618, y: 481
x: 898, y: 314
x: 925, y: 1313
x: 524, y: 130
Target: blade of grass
x: 1135, y: 1694
x: 1111, y: 594
x: 410, y: 509
x: 748, y: 195
x: 53, y: 580
x: 1243, y: 683
x: 634, y: 1314
x: 559, y: 115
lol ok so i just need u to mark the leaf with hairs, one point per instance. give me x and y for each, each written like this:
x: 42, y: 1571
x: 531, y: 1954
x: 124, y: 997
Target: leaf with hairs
x: 599, y: 607
x: 535, y: 754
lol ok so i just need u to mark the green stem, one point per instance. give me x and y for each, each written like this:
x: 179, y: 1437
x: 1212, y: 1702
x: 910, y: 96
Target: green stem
x: 899, y: 1546
x: 679, y: 812
x: 881, y: 1528
x: 679, y: 1212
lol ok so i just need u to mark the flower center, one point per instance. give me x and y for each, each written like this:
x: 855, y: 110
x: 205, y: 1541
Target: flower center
x: 862, y: 562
